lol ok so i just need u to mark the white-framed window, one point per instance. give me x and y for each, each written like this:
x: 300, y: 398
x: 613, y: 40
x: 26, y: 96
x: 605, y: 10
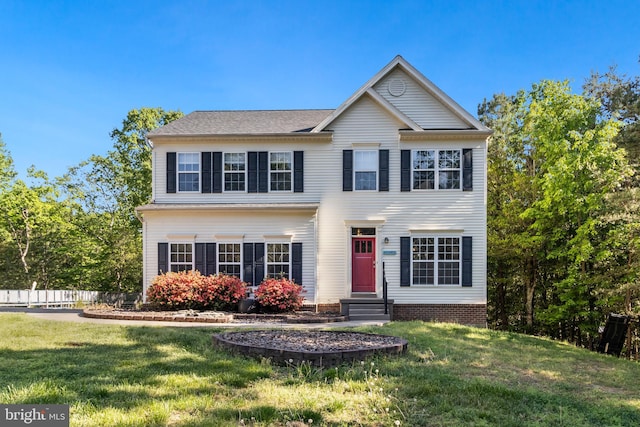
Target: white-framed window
x: 436, y: 169
x: 234, y: 171
x: 188, y: 172
x: 365, y: 170
x: 435, y: 260
x: 278, y: 260
x: 280, y: 171
x: 180, y: 257
x: 229, y: 259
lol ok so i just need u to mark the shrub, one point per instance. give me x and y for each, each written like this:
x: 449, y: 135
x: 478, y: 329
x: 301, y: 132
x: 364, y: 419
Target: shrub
x: 277, y: 295
x: 221, y: 292
x: 192, y: 290
x: 175, y: 291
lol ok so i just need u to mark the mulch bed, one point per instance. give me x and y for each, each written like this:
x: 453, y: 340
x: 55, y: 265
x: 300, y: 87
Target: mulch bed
x: 212, y: 316
x: 319, y: 348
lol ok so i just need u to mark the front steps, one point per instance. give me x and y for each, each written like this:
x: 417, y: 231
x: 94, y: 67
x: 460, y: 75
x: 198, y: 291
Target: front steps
x: 366, y: 308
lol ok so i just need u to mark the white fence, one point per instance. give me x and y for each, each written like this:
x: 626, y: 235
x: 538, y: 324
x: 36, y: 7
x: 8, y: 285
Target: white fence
x: 54, y: 298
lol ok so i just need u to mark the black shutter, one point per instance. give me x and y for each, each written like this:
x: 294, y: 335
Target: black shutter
x: 171, y: 172
x: 200, y: 258
x: 252, y: 172
x: 405, y: 261
x: 163, y: 258
x: 206, y: 172
x: 298, y: 171
x: 217, y: 172
x: 296, y: 263
x: 383, y: 169
x: 347, y: 170
x: 263, y: 172
x: 258, y: 262
x: 210, y: 259
x: 467, y: 169
x: 247, y: 257
x: 466, y: 261
x: 405, y: 170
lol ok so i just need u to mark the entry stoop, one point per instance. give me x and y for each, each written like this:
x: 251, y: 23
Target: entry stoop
x: 367, y: 308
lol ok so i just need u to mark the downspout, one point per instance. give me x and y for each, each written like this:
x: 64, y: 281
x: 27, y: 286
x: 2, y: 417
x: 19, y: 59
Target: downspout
x: 315, y: 270
x: 144, y: 253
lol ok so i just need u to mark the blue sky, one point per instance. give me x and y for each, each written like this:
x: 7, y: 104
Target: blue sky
x: 71, y: 70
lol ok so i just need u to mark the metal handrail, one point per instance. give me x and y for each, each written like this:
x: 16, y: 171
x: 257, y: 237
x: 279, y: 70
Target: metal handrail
x: 384, y: 290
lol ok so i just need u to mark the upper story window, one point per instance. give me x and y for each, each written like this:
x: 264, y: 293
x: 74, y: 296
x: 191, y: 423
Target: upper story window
x: 435, y: 260
x: 181, y: 257
x: 188, y: 172
x: 280, y: 169
x: 365, y: 169
x: 441, y: 169
x: 234, y: 171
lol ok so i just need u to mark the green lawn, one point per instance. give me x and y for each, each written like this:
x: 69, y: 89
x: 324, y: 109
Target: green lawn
x: 451, y: 376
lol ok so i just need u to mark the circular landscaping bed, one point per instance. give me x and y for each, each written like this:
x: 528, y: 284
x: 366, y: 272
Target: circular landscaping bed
x: 319, y: 348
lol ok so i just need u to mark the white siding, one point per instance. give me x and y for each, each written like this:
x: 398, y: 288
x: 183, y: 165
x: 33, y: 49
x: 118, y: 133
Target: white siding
x: 418, y: 104
x: 326, y: 233
x: 187, y: 226
x: 311, y: 186
x: 395, y: 213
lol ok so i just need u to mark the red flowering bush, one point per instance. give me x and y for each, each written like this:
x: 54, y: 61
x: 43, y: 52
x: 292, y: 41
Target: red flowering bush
x: 277, y: 295
x: 221, y: 292
x: 192, y: 290
x: 175, y: 291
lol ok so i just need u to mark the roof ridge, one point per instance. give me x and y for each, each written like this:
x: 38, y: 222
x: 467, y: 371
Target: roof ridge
x: 263, y: 110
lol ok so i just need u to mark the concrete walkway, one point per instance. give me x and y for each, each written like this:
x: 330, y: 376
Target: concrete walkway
x: 73, y: 315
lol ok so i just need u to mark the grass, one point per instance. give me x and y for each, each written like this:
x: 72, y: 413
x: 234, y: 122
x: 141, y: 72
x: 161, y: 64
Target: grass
x: 451, y: 376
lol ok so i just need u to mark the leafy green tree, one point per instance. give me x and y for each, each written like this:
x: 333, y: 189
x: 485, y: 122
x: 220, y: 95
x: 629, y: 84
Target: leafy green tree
x: 130, y: 161
x: 107, y: 189
x: 619, y: 97
x: 36, y: 222
x: 553, y: 167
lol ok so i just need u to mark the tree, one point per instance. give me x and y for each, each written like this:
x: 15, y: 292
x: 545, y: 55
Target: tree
x: 107, y: 189
x: 619, y: 98
x: 36, y: 224
x: 130, y: 161
x: 7, y: 173
x: 552, y: 169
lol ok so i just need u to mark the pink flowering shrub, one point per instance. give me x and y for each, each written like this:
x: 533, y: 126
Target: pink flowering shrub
x: 277, y: 295
x: 192, y: 290
x: 221, y: 292
x: 175, y: 291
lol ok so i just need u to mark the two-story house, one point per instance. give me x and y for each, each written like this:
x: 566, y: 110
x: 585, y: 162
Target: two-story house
x: 387, y: 190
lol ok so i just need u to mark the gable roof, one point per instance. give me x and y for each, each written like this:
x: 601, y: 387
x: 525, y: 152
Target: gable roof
x: 256, y: 122
x: 368, y: 90
x: 294, y: 123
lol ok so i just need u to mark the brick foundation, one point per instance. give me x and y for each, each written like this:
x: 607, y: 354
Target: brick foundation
x: 466, y: 314
x: 329, y: 308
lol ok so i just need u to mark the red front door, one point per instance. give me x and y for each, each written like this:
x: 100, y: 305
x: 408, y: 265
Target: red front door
x: 363, y: 262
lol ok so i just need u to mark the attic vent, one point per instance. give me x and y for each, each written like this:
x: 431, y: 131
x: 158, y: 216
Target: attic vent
x: 396, y: 87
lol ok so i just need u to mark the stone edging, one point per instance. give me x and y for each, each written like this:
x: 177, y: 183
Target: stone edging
x: 164, y: 317
x: 318, y: 358
x: 207, y: 318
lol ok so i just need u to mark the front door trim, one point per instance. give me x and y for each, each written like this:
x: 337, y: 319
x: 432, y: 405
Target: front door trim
x: 363, y: 264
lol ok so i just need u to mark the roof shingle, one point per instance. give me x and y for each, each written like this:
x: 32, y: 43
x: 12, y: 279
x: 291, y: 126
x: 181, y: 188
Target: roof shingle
x: 256, y: 122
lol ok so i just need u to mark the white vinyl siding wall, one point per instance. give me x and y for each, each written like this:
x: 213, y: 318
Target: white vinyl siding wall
x: 326, y: 235
x: 208, y: 226
x: 419, y: 105
x: 394, y: 213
